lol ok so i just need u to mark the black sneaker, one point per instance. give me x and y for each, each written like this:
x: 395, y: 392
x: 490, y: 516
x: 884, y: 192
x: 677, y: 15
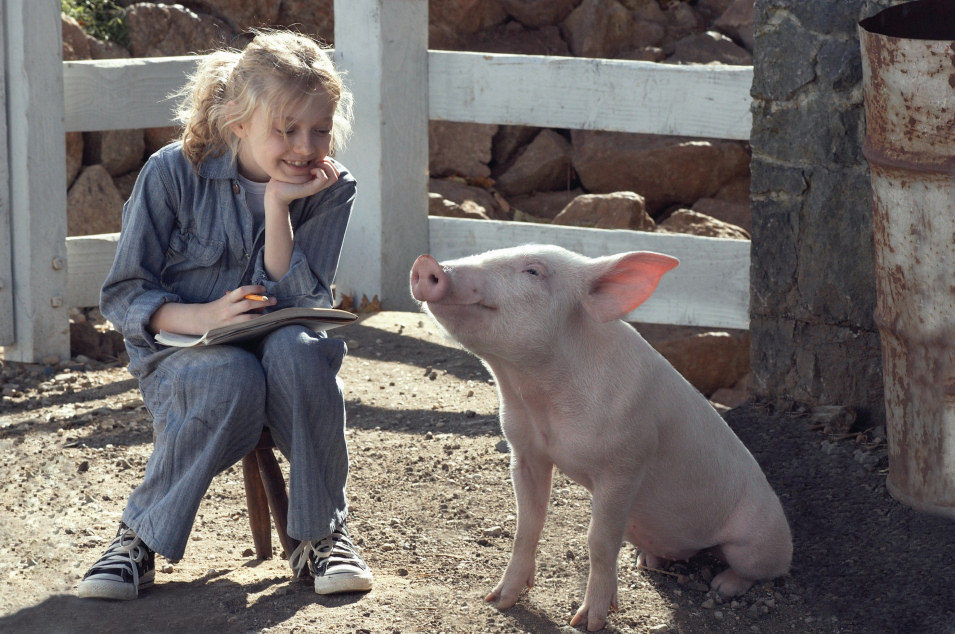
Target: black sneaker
x: 126, y: 566
x: 334, y: 562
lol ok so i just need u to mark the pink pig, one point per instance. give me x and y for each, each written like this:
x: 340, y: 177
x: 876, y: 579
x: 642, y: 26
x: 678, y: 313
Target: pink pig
x: 583, y: 391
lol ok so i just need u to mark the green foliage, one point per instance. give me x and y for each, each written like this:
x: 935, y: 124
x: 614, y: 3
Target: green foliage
x: 103, y: 19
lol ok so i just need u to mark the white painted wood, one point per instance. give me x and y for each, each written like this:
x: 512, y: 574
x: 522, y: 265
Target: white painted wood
x: 565, y: 92
x: 382, y: 45
x: 6, y: 253
x: 592, y: 94
x: 710, y: 287
x: 37, y: 166
x: 123, y: 94
x: 90, y: 260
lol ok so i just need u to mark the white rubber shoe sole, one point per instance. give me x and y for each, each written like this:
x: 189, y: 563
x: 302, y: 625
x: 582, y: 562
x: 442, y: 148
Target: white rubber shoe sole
x: 108, y: 589
x: 344, y: 582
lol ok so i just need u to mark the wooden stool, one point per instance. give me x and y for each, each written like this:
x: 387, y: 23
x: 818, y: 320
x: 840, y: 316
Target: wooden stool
x: 264, y: 491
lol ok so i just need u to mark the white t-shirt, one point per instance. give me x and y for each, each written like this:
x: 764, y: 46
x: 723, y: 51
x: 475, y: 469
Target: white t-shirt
x: 255, y: 199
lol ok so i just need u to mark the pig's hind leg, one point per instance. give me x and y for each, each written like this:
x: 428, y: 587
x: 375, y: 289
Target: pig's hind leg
x: 760, y: 549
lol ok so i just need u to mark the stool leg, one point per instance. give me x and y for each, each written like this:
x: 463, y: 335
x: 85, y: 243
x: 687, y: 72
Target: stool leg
x: 258, y: 507
x: 278, y: 498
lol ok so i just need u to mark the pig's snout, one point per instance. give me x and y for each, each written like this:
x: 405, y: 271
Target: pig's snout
x: 429, y: 282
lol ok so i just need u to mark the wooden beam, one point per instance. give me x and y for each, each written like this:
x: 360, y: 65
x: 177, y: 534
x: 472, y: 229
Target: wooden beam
x: 6, y: 252
x: 382, y: 45
x: 37, y: 168
x: 709, y: 288
x: 123, y: 94
x: 591, y: 94
x: 90, y: 259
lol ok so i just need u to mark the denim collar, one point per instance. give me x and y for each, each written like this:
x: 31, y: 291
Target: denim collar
x: 222, y: 166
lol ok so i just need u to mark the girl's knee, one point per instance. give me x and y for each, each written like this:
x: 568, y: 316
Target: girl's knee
x: 299, y: 349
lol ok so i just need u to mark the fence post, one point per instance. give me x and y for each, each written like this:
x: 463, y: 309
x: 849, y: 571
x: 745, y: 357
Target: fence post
x: 383, y: 47
x: 36, y: 157
x: 6, y: 255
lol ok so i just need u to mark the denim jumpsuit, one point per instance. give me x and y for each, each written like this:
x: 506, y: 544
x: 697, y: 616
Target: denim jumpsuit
x: 189, y: 237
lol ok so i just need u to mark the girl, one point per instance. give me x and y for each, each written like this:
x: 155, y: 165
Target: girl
x: 247, y: 202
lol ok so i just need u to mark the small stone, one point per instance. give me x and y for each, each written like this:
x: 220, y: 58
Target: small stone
x: 753, y: 611
x: 167, y: 568
x: 502, y: 447
x: 402, y: 572
x: 50, y: 360
x: 709, y: 604
x: 493, y: 531
x: 718, y: 614
x: 83, y: 467
x: 248, y: 552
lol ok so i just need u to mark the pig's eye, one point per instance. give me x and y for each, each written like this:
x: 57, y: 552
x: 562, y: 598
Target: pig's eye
x: 532, y: 271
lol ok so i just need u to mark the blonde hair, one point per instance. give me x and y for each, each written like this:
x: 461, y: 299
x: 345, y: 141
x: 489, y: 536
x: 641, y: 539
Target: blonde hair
x: 276, y: 70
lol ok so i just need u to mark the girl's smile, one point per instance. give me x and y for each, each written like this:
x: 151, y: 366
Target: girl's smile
x: 286, y: 149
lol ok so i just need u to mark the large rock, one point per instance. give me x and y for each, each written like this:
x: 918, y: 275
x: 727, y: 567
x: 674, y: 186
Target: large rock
x: 462, y: 149
x: 93, y: 205
x: 707, y: 48
x: 159, y: 137
x: 74, y: 156
x: 125, y: 183
x: 314, y: 17
x: 119, y: 151
x: 465, y: 16
x: 665, y: 170
x: 733, y: 212
x: 544, y: 165
x: 737, y: 22
x: 681, y: 20
x: 709, y: 360
x: 538, y: 13
x: 710, y: 10
x: 514, y: 38
x: 736, y: 189
x: 105, y: 49
x: 440, y: 206
x: 619, y: 210
x: 458, y: 192
x: 75, y: 44
x: 605, y: 28
x: 508, y: 141
x: 695, y: 223
x: 161, y: 29
x: 242, y: 14
x: 545, y: 205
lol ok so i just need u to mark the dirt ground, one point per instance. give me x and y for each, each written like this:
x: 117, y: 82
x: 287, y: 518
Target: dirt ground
x: 433, y: 511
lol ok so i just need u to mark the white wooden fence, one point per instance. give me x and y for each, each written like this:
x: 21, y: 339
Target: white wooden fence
x: 398, y: 86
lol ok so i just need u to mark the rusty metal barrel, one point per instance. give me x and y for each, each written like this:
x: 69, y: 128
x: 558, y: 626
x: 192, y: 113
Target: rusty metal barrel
x: 908, y: 62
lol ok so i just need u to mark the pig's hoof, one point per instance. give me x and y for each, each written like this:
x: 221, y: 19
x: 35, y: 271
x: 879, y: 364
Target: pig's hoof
x: 730, y: 584
x: 646, y: 560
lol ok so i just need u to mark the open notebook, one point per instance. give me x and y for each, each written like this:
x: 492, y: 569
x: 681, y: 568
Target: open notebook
x: 314, y: 318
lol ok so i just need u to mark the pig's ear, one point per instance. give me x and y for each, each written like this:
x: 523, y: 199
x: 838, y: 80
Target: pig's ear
x: 620, y: 283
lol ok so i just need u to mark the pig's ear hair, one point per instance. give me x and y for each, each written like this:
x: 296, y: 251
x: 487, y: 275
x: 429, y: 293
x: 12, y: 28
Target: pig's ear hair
x: 620, y: 283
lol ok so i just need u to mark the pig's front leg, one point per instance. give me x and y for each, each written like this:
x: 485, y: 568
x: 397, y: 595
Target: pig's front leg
x: 611, y: 507
x: 532, y: 477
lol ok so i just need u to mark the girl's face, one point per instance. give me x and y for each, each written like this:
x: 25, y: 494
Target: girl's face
x: 286, y: 149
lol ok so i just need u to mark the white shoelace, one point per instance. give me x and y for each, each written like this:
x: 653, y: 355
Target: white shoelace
x: 126, y: 551
x: 310, y: 553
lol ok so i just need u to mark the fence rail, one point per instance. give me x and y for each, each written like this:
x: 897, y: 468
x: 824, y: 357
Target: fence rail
x: 399, y: 85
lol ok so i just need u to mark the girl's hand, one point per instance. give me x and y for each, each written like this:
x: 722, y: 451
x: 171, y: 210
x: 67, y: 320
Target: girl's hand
x: 232, y: 308
x: 324, y: 176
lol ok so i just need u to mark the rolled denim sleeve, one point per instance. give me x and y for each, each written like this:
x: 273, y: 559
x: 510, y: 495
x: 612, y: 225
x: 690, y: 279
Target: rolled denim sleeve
x: 132, y: 291
x: 318, y: 246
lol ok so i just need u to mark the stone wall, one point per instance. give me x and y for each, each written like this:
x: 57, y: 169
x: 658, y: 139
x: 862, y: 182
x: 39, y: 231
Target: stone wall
x: 813, y: 335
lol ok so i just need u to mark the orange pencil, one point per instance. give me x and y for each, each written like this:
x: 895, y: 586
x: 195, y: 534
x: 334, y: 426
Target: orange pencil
x: 258, y: 298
